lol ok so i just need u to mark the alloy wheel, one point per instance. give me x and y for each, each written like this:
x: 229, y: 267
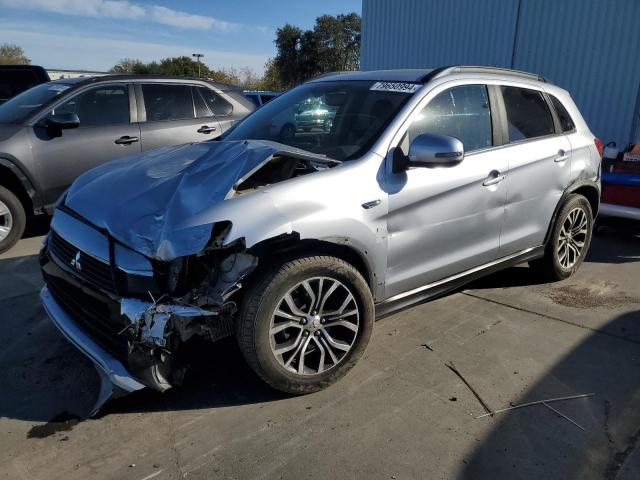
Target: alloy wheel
x: 6, y: 221
x: 314, y: 326
x: 572, y: 238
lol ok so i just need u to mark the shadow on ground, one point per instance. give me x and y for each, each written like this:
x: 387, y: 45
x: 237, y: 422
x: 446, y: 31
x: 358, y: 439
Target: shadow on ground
x: 37, y: 226
x: 534, y: 442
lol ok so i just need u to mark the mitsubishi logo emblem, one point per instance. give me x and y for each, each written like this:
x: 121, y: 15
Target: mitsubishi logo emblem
x: 75, y: 262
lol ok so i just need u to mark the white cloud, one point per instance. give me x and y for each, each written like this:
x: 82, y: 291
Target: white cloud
x: 175, y: 18
x: 124, y: 9
x: 95, y: 53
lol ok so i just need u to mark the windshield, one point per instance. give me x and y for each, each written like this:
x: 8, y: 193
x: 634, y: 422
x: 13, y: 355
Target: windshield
x: 20, y: 107
x: 338, y: 119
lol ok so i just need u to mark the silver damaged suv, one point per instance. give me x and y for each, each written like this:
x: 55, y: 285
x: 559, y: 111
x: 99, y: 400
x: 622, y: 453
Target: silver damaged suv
x: 425, y: 180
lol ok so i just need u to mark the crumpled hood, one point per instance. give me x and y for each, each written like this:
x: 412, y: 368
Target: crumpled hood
x: 145, y: 201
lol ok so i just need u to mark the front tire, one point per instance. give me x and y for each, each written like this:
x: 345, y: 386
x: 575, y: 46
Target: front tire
x: 12, y: 219
x: 304, y: 323
x: 569, y: 241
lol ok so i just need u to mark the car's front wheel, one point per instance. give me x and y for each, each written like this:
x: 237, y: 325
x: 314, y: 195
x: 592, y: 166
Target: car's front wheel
x: 12, y: 219
x: 305, y: 322
x: 569, y: 240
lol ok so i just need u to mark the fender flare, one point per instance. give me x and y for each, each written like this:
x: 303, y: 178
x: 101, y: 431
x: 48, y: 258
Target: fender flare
x: 580, y: 184
x: 24, y: 180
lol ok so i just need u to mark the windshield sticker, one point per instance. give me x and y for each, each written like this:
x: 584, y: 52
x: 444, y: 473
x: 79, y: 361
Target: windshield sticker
x: 395, y: 87
x: 58, y: 88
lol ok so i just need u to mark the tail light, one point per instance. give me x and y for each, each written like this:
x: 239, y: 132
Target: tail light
x: 599, y: 146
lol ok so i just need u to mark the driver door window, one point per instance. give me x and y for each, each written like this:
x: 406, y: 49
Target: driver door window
x: 462, y: 112
x: 101, y: 106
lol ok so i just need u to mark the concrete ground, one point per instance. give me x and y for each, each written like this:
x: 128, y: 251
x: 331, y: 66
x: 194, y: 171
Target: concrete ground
x: 401, y: 413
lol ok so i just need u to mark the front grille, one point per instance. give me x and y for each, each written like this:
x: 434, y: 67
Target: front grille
x: 92, y: 270
x: 94, y: 316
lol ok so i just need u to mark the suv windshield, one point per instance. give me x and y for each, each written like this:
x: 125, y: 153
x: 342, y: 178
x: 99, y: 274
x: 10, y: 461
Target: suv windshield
x: 340, y: 119
x: 20, y: 107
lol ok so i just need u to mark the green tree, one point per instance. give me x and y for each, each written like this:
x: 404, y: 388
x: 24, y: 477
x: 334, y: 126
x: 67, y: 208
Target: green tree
x: 11, y: 54
x: 271, y: 78
x: 332, y: 45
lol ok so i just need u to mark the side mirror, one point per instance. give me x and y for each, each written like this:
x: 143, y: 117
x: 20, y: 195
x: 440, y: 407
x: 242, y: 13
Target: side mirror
x: 63, y: 121
x: 432, y: 150
x: 55, y: 124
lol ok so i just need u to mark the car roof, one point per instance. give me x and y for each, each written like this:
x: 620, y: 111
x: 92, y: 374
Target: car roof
x: 424, y: 75
x: 400, y: 75
x: 80, y: 81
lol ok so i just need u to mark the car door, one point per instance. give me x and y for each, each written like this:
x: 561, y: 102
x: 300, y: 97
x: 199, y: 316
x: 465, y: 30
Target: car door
x: 106, y: 132
x: 444, y: 221
x: 173, y: 114
x: 539, y: 156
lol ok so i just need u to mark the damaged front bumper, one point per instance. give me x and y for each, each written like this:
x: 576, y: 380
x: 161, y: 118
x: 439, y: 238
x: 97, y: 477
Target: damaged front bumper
x: 115, y: 380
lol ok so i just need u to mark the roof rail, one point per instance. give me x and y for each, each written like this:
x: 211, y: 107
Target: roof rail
x: 494, y: 70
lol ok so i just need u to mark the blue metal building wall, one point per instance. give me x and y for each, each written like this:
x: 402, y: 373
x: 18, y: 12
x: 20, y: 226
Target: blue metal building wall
x: 589, y: 47
x: 428, y: 33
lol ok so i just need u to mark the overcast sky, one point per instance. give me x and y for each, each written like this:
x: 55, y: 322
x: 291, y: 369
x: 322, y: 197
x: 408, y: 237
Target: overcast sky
x: 95, y: 34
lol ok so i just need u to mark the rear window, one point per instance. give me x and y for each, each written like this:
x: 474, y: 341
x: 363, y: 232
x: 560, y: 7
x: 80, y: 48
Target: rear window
x: 167, y: 102
x: 565, y: 119
x: 528, y: 115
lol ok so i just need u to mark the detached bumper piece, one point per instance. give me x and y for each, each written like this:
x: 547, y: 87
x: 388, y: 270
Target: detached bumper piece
x: 115, y: 380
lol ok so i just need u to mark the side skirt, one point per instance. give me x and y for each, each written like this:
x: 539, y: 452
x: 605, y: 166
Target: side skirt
x: 422, y: 294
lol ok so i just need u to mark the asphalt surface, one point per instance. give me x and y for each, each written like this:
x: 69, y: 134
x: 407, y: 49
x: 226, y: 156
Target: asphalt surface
x: 401, y: 412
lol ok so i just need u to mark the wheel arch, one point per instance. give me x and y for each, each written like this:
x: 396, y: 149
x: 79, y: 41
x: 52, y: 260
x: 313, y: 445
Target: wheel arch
x: 588, y: 189
x: 14, y: 180
x: 286, y: 245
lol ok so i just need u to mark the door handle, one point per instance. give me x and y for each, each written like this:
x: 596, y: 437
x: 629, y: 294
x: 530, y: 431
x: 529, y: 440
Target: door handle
x: 126, y: 140
x: 206, y: 129
x: 494, y: 178
x: 562, y: 156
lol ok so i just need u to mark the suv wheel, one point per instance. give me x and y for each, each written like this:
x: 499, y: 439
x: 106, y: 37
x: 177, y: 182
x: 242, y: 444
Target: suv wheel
x: 304, y: 323
x: 12, y: 219
x: 569, y: 242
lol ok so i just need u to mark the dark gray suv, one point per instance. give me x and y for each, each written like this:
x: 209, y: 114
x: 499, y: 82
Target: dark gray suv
x: 53, y: 132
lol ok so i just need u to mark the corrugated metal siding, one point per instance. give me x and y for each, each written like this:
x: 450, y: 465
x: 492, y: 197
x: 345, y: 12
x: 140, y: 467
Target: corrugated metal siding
x: 592, y: 49
x: 589, y: 47
x: 433, y: 33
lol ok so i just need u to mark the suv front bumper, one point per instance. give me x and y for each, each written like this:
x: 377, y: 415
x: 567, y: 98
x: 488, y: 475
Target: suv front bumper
x: 115, y: 380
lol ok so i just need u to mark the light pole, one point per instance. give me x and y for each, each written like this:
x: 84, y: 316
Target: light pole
x: 198, y: 57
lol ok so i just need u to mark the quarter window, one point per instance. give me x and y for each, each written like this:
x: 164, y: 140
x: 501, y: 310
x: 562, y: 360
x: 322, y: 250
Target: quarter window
x: 462, y: 112
x: 528, y: 115
x: 201, y: 108
x: 108, y: 105
x: 218, y: 105
x: 167, y: 102
x: 565, y: 119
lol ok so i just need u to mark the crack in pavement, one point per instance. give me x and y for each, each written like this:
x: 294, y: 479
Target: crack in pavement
x: 550, y: 317
x: 619, y: 458
x: 172, y: 434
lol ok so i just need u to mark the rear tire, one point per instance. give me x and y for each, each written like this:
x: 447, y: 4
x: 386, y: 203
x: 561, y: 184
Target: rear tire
x: 298, y: 329
x: 13, y: 219
x: 569, y: 241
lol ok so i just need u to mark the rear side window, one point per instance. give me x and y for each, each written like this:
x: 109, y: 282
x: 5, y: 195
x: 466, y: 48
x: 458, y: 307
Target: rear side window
x: 528, y: 115
x: 100, y: 106
x: 462, y: 112
x: 201, y: 108
x: 218, y: 105
x: 565, y: 119
x: 167, y: 102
